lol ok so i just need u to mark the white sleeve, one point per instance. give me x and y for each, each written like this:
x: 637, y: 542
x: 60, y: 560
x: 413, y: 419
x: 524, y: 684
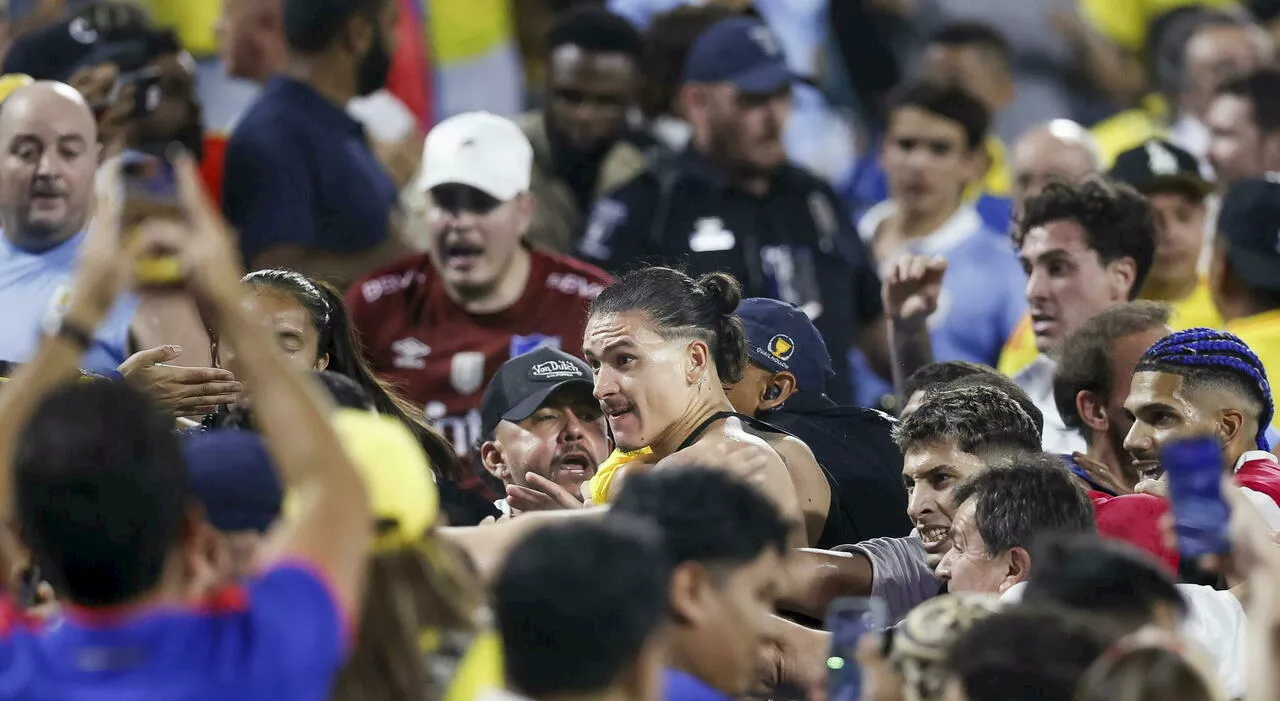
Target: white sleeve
x: 1216, y: 624
x: 1266, y: 506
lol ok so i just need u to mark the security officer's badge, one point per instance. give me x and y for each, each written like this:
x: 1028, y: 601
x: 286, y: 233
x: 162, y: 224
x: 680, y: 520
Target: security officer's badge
x: 791, y: 276
x: 781, y: 347
x: 597, y: 239
x: 709, y: 235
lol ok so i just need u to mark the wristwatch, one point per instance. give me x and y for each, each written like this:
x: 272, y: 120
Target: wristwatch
x: 56, y: 325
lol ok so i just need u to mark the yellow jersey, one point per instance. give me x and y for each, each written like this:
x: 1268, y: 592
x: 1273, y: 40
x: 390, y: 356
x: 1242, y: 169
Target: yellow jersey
x: 1129, y: 129
x: 1262, y: 334
x: 1194, y: 310
x: 600, y: 486
x: 996, y: 180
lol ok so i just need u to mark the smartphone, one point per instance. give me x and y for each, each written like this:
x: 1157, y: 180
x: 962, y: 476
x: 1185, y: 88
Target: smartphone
x: 848, y: 620
x: 151, y: 190
x: 146, y: 91
x: 1194, y: 469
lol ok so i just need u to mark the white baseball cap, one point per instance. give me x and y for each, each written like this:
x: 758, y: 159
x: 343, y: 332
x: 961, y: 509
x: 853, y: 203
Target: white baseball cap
x: 481, y: 150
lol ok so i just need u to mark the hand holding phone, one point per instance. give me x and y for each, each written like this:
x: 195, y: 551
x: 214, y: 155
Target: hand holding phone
x: 151, y: 191
x: 848, y: 620
x: 1194, y: 469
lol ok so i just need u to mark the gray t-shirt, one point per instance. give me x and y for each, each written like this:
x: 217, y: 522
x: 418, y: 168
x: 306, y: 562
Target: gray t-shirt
x: 900, y: 573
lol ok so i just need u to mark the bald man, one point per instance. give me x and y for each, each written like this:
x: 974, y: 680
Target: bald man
x: 1057, y: 151
x: 50, y: 142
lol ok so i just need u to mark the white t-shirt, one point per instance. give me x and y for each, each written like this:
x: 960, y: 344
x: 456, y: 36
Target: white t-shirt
x: 1215, y: 623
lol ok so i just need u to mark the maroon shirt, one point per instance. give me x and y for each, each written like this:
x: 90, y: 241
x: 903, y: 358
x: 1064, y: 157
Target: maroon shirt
x: 441, y: 356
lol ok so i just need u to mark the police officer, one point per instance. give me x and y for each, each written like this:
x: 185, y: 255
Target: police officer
x: 731, y: 202
x: 784, y: 385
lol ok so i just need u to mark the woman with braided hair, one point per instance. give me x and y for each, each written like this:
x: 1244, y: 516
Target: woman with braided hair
x: 1202, y: 381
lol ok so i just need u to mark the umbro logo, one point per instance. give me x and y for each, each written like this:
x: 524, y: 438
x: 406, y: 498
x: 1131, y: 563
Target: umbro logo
x: 410, y: 354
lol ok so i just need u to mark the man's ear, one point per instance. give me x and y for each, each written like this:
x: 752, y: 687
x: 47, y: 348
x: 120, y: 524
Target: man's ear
x: 777, y: 391
x: 1230, y: 424
x: 689, y: 593
x: 1092, y: 412
x: 1019, y: 568
x: 697, y: 362
x: 495, y: 463
x: 1122, y: 275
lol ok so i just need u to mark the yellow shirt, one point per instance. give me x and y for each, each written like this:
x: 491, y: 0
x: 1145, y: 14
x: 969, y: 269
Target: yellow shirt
x: 1262, y: 334
x: 1126, y: 21
x: 601, y: 484
x: 996, y: 181
x: 1195, y: 310
x: 1129, y: 129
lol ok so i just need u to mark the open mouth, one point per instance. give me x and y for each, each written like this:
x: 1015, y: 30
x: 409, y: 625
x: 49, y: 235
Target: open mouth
x: 1041, y: 323
x: 934, y: 537
x: 1149, y: 469
x: 462, y: 255
x: 577, y: 464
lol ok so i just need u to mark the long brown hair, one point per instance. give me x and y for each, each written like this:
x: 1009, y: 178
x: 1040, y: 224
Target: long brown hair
x: 423, y: 606
x: 339, y: 340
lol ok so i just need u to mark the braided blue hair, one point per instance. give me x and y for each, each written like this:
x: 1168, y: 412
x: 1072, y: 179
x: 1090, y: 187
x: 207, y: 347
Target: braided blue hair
x: 1202, y: 348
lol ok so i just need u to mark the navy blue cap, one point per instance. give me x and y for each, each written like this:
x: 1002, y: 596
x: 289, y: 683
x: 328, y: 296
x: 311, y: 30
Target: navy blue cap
x: 232, y: 475
x: 1247, y: 222
x: 742, y: 51
x: 781, y: 337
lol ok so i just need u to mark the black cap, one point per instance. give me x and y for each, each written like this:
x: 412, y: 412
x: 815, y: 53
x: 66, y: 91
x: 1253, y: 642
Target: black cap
x: 1250, y: 226
x: 1158, y: 166
x: 110, y: 32
x: 523, y: 383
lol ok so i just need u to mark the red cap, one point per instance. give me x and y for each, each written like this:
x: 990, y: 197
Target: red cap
x: 1135, y: 519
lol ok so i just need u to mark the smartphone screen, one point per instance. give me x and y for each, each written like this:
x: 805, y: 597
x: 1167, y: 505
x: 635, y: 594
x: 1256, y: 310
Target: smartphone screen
x: 151, y: 190
x: 1194, y: 469
x: 150, y: 185
x: 848, y: 619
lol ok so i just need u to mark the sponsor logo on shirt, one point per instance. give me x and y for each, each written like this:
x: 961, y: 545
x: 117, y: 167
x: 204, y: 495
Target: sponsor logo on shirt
x: 410, y: 353
x: 555, y: 370
x: 378, y: 287
x: 466, y: 371
x: 573, y: 284
x: 523, y: 344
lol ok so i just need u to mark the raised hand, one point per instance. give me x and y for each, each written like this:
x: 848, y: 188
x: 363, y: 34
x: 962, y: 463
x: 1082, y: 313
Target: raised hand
x: 184, y: 391
x: 912, y: 288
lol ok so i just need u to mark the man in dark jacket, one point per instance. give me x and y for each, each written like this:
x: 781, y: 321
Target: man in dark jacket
x: 784, y: 384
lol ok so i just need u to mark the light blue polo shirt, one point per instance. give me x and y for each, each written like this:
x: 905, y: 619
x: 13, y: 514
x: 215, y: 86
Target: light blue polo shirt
x: 33, y: 283
x: 983, y: 292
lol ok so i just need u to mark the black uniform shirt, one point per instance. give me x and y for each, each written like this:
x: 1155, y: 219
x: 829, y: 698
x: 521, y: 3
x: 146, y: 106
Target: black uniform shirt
x: 795, y: 244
